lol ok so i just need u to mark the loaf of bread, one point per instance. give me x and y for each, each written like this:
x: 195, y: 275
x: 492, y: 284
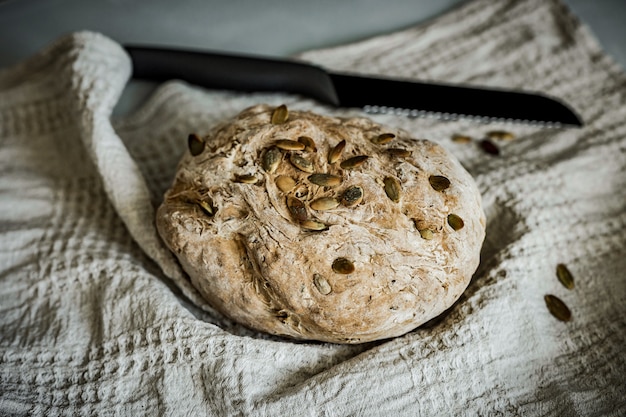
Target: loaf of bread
x: 323, y: 228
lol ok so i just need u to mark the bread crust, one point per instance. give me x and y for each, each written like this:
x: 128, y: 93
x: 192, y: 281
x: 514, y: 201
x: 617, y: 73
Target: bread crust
x: 256, y: 261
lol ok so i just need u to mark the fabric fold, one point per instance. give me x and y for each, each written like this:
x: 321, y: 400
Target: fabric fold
x: 97, y: 318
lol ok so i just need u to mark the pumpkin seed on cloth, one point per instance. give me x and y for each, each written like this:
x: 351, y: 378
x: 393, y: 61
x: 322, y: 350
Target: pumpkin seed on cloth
x: 458, y: 138
x: 565, y: 276
x: 557, y: 308
x: 489, y: 147
x: 500, y: 135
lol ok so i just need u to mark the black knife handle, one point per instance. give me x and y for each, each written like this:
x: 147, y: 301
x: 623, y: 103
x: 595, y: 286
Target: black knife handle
x: 232, y: 72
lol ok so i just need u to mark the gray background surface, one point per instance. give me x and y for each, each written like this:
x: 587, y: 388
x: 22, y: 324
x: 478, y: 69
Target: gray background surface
x: 272, y: 27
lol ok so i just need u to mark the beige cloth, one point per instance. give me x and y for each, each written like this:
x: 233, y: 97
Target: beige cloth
x: 97, y: 319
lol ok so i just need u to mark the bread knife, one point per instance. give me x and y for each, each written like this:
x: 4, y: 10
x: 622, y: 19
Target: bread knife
x: 375, y: 94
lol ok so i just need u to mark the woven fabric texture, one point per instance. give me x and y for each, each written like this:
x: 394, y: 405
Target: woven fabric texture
x: 97, y: 318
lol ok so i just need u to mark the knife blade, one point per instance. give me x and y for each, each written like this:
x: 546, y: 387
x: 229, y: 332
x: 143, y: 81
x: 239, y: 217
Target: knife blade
x: 375, y: 94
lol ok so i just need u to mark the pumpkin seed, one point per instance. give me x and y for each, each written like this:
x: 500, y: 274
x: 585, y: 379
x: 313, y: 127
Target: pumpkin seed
x: 352, y: 196
x: 301, y: 163
x: 335, y: 153
x: 289, y: 145
x: 438, y: 182
x: 324, y: 203
x: 461, y: 138
x: 383, y: 138
x: 280, y: 115
x: 343, y: 266
x: 402, y: 153
x: 313, y: 225
x: 557, y: 308
x: 455, y: 222
x: 285, y: 183
x: 392, y: 188
x: 426, y: 234
x: 325, y: 180
x: 489, y: 147
x: 500, y: 135
x: 297, y: 208
x: 196, y: 144
x: 566, y: 278
x: 246, y: 179
x: 309, y: 144
x: 207, y: 206
x: 271, y: 159
x: 321, y: 284
x: 354, y: 162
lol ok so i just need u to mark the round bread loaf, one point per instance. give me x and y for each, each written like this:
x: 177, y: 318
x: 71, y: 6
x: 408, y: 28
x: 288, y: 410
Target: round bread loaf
x: 323, y: 228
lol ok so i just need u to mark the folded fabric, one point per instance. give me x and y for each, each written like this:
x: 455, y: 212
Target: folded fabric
x: 97, y: 317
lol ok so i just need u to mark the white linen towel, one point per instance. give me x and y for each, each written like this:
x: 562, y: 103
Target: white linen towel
x: 96, y: 317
